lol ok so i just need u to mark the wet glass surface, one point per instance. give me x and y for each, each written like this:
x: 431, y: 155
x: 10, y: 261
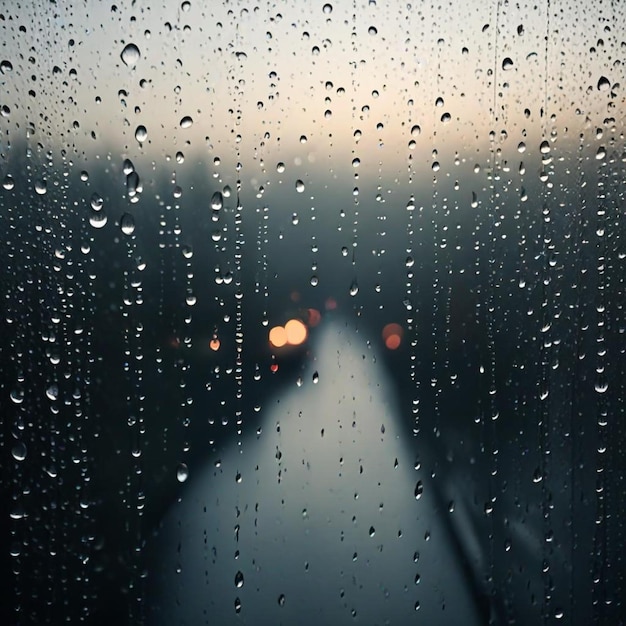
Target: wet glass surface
x: 312, y: 313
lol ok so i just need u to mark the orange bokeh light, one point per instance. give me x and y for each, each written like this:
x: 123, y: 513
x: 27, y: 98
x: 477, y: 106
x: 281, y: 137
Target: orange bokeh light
x: 214, y: 344
x: 392, y: 336
x: 393, y: 342
x: 278, y: 336
x: 296, y: 332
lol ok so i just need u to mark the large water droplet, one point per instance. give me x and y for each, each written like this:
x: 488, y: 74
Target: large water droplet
x: 604, y: 84
x: 130, y: 55
x: 239, y: 579
x: 127, y: 224
x: 419, y: 489
x: 217, y: 201
x: 98, y: 219
x: 19, y: 451
x: 299, y: 186
x: 182, y: 473
x: 354, y: 288
x: 186, y: 122
x: 141, y: 133
x: 5, y: 67
x: 507, y: 64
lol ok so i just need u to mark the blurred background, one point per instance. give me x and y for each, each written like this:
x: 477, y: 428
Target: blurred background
x: 231, y: 234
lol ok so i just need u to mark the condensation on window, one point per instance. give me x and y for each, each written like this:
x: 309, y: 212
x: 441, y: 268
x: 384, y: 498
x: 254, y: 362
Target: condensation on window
x: 312, y: 312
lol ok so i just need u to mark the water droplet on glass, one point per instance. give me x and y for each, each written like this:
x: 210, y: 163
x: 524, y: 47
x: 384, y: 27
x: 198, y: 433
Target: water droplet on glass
x: 130, y: 55
x: 354, y: 288
x: 280, y: 167
x: 328, y: 9
x: 239, y: 579
x: 5, y: 67
x: 141, y: 134
x: 281, y: 599
x: 52, y: 392
x: 601, y: 153
x: 419, y: 489
x: 41, y: 187
x: 604, y: 84
x: 217, y: 201
x: 507, y: 63
x: 544, y: 148
x: 372, y: 30
x: 299, y: 186
x: 9, y: 182
x: 372, y: 531
x: 182, y: 473
x: 98, y: 219
x: 186, y: 122
x: 127, y: 224
x: 19, y: 451
x: 601, y: 386
x: 316, y: 378
x: 128, y: 167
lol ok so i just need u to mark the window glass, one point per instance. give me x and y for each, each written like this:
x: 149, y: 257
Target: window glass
x: 312, y: 312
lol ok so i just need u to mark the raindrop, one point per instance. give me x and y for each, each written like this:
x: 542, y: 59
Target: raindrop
x: 130, y: 55
x: 239, y: 579
x: 127, y: 224
x: 98, y: 219
x: 354, y: 288
x: 328, y: 9
x: 41, y: 187
x: 19, y: 451
x: 316, y: 378
x: 507, y: 63
x: 372, y: 531
x: 544, y: 148
x: 217, y: 201
x: 17, y: 396
x: 419, y: 489
x: 186, y: 122
x: 52, y: 392
x: 141, y: 134
x: 128, y: 167
x: 603, y: 84
x: 415, y: 130
x: 601, y: 386
x: 281, y: 599
x: 601, y: 153
x: 280, y: 167
x: 9, y: 182
x: 372, y: 30
x: 182, y: 473
x: 96, y: 201
x: 5, y: 66
x: 299, y: 186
